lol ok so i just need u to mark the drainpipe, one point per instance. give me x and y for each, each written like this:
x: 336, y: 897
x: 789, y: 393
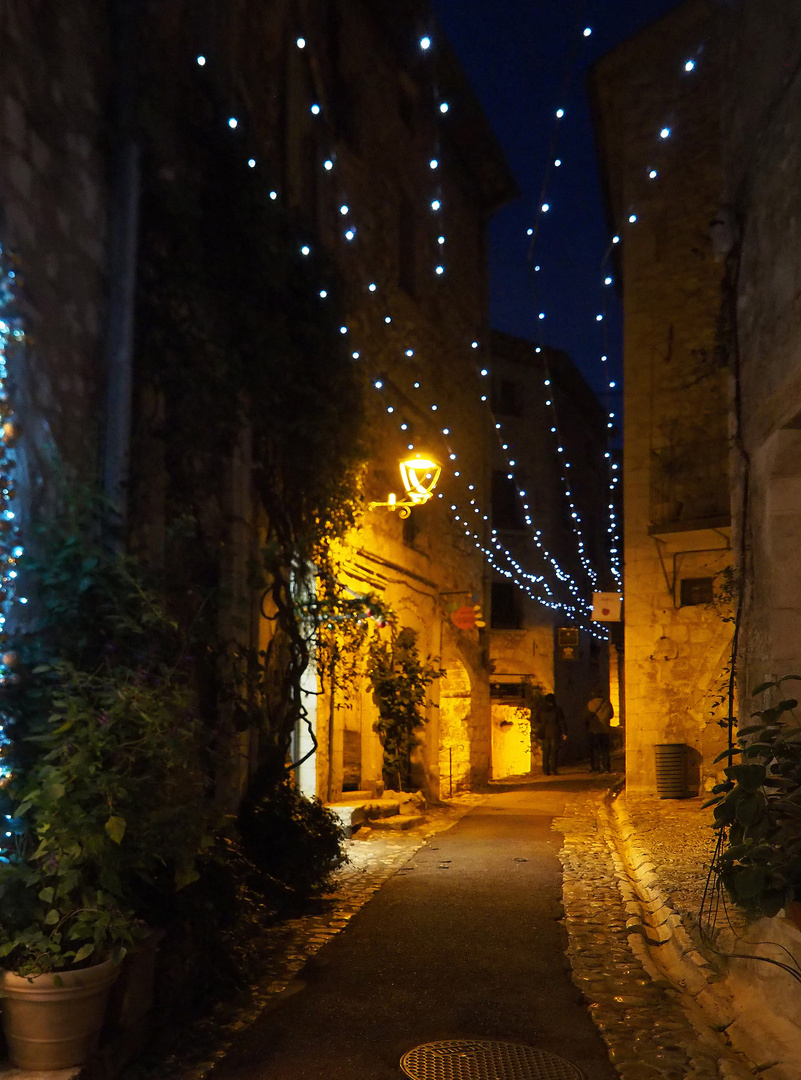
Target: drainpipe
x: 124, y: 24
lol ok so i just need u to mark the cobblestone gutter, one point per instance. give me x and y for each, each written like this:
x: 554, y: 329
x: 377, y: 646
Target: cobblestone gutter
x: 667, y: 1006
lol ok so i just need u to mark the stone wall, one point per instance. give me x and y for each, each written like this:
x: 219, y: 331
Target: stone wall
x: 54, y: 209
x: 676, y: 396
x: 542, y: 403
x: 762, y: 162
x: 410, y: 327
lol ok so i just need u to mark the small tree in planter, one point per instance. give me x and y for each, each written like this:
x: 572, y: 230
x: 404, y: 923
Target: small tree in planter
x: 399, y: 680
x: 758, y: 809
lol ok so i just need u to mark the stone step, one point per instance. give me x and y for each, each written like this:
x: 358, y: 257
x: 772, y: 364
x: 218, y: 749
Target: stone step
x: 354, y: 797
x: 398, y: 823
x: 381, y: 808
x: 349, y: 815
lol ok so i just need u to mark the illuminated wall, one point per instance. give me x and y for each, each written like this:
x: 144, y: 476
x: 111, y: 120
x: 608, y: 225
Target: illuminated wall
x: 658, y: 108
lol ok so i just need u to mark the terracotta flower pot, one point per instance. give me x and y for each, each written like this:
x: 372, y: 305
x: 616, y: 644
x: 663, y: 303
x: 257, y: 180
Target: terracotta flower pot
x: 52, y: 1026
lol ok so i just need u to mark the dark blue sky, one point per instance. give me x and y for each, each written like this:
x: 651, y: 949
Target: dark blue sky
x: 516, y: 55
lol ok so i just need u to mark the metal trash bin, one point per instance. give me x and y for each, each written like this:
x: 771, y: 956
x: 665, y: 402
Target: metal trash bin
x: 671, y: 770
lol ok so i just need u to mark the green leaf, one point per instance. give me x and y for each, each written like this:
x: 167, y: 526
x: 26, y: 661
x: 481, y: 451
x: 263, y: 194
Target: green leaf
x: 84, y: 951
x: 749, y: 809
x: 749, y: 882
x: 749, y: 777
x: 47, y: 894
x: 725, y: 753
x: 763, y: 687
x: 52, y: 917
x: 185, y: 875
x: 115, y: 827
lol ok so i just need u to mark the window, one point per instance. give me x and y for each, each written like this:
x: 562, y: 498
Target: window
x: 505, y: 611
x: 696, y: 590
x: 507, y: 511
x: 506, y: 397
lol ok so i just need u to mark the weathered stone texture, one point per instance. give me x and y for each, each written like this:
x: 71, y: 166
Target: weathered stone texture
x: 53, y: 210
x: 675, y: 436
x: 763, y: 161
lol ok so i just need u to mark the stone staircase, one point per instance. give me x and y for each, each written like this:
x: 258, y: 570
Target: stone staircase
x: 393, y: 811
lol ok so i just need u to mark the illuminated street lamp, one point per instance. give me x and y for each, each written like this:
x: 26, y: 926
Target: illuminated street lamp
x: 419, y: 476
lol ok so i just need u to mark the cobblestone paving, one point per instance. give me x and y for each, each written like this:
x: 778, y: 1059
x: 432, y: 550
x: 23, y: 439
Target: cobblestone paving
x: 678, y: 835
x: 652, y: 1031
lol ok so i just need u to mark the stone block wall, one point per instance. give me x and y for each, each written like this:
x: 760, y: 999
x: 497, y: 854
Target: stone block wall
x: 676, y: 491
x: 411, y: 328
x: 762, y: 161
x: 54, y: 209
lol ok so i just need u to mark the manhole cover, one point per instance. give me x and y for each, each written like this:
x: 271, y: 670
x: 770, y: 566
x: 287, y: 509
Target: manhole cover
x: 480, y: 1059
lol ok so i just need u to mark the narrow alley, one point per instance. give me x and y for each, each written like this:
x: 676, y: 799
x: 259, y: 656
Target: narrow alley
x: 481, y: 933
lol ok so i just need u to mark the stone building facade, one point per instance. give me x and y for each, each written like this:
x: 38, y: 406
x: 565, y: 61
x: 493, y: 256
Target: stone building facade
x: 54, y: 217
x: 420, y: 173
x: 657, y: 102
x: 758, y: 230
x: 362, y: 126
x: 548, y: 465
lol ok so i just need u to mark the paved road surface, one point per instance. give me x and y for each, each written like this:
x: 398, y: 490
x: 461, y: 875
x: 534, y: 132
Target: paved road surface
x: 463, y: 942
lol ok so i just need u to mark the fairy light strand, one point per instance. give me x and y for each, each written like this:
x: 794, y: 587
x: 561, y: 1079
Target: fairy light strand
x: 12, y: 338
x: 524, y: 580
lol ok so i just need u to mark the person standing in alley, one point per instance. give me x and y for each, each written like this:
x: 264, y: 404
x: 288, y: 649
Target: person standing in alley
x: 598, y: 725
x: 550, y: 728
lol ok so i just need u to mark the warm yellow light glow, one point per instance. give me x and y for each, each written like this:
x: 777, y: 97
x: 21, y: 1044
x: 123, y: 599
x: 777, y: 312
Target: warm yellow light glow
x: 419, y: 476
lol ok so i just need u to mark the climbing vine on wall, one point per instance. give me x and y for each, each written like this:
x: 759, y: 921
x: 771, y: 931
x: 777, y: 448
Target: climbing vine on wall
x: 240, y: 355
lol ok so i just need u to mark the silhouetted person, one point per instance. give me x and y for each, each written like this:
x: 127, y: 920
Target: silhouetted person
x: 601, y: 712
x: 550, y: 728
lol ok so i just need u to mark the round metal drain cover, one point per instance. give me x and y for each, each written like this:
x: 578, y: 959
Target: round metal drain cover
x: 484, y: 1059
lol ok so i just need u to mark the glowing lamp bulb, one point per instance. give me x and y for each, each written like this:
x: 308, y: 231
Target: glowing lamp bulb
x: 425, y: 43
x: 419, y: 476
x: 664, y: 133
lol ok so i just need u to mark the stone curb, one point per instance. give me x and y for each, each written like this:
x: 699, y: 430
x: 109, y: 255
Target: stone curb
x: 660, y: 941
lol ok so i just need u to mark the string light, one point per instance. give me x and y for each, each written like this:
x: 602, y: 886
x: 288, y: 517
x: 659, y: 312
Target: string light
x: 436, y: 206
x: 11, y: 550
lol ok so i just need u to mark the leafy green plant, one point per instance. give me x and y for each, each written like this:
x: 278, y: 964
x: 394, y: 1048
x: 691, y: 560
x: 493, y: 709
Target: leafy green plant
x: 758, y: 808
x: 399, y: 680
x: 296, y: 841
x: 109, y: 763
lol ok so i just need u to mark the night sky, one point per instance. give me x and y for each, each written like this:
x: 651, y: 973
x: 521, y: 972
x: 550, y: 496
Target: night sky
x: 516, y: 54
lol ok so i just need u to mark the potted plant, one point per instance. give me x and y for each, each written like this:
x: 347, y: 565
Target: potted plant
x: 104, y: 781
